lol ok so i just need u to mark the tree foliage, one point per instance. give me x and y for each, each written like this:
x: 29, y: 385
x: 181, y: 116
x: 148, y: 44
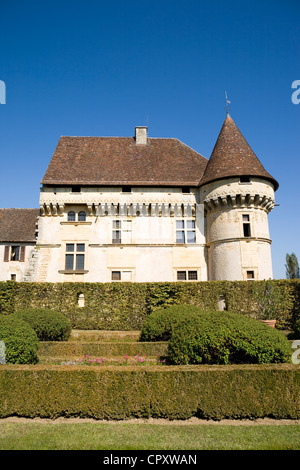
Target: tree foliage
x: 292, y: 266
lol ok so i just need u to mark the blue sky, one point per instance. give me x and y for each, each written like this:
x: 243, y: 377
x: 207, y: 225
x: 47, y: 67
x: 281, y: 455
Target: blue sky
x: 99, y: 68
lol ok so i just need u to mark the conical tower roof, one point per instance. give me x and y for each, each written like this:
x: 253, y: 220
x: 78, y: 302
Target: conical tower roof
x: 232, y: 156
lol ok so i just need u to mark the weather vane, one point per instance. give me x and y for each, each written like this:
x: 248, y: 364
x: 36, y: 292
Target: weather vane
x: 227, y: 103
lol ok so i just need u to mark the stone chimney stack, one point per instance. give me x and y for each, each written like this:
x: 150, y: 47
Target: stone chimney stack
x: 141, y: 135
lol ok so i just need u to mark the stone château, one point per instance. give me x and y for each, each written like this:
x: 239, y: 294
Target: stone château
x: 144, y: 209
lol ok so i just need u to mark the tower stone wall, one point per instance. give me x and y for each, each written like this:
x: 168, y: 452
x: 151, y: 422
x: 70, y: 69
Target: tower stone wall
x: 237, y: 228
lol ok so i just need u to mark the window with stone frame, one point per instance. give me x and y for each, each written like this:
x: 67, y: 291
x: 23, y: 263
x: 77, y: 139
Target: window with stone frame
x: 187, y: 275
x: 75, y: 253
x: 121, y: 231
x: 123, y: 275
x: 185, y: 231
x: 246, y: 226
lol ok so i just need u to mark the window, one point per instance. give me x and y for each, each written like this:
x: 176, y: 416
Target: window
x: 13, y: 277
x: 185, y: 189
x: 246, y: 225
x: 250, y: 275
x: 71, y: 216
x: 14, y: 253
x: 181, y: 275
x: 76, y: 189
x: 75, y: 256
x: 126, y: 189
x: 244, y: 179
x: 81, y: 216
x: 116, y: 275
x: 192, y: 275
x: 124, y: 275
x: 187, y: 275
x: 116, y: 234
x: 121, y: 231
x: 185, y: 231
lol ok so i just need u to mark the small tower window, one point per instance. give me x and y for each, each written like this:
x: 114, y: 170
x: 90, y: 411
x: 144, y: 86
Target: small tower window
x: 245, y: 179
x: 246, y: 225
x: 76, y: 189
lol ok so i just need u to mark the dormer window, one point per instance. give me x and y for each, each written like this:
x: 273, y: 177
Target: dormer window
x: 71, y: 216
x: 82, y: 216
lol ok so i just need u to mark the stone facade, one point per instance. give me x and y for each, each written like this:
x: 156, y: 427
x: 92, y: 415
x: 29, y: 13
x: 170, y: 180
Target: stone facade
x: 149, y: 230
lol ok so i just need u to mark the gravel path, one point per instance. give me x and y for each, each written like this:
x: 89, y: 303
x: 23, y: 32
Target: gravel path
x: 191, y: 421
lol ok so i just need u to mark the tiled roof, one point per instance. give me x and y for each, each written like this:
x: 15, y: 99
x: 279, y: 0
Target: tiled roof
x: 18, y: 225
x: 119, y: 161
x: 232, y: 156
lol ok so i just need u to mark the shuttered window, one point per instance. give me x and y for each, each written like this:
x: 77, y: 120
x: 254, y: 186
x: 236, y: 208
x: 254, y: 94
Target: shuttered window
x: 6, y: 253
x: 14, y: 253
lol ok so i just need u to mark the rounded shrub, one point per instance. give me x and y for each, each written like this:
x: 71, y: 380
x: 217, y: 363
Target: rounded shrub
x: 158, y: 325
x: 21, y: 341
x: 49, y: 325
x: 226, y: 338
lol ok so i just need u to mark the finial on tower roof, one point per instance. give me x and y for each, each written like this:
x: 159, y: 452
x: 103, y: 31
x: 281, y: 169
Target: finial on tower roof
x: 227, y: 104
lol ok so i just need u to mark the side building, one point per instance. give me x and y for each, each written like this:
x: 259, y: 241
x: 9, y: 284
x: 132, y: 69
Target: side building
x: 18, y: 237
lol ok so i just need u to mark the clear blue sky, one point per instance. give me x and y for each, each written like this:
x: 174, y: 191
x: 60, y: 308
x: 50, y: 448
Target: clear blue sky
x: 98, y: 68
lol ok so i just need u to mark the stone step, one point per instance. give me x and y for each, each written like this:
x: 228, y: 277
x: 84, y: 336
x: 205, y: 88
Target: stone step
x: 70, y: 349
x: 103, y: 335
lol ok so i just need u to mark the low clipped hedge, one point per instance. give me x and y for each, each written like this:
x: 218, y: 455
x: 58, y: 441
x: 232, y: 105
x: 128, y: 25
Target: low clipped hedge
x: 172, y: 392
x: 226, y: 338
x: 21, y: 341
x: 49, y: 325
x: 159, y: 324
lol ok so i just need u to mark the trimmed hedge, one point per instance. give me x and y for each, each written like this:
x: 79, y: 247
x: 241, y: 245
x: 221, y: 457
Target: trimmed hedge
x: 158, y: 325
x: 49, y: 325
x: 125, y: 306
x: 105, y: 349
x: 225, y: 338
x: 21, y: 341
x: 179, y: 392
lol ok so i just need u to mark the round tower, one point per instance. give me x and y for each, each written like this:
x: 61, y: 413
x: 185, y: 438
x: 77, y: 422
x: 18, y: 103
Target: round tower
x: 237, y: 193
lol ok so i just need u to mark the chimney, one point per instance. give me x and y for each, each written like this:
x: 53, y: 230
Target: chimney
x: 141, y: 135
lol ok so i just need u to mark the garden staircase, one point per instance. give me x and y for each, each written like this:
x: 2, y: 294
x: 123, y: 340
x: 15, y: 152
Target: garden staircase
x: 109, y: 347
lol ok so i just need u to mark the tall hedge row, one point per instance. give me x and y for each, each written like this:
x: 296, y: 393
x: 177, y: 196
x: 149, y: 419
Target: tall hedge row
x: 181, y: 392
x: 124, y: 306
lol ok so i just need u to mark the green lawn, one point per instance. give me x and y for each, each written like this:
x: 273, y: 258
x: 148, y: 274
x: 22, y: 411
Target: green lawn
x: 146, y: 436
